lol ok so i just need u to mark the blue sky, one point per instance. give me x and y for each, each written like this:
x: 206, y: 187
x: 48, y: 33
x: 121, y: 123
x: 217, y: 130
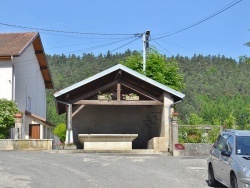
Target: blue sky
x: 224, y: 34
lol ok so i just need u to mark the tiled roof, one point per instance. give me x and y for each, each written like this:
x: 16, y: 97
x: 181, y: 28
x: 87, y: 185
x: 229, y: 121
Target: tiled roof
x: 15, y: 43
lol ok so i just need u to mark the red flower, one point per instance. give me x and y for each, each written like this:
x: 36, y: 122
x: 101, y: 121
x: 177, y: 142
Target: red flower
x: 175, y: 113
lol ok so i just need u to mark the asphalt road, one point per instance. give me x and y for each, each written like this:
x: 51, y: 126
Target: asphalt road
x: 49, y: 169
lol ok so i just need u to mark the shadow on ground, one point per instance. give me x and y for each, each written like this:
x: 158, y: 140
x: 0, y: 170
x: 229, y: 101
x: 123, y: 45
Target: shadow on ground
x: 220, y: 186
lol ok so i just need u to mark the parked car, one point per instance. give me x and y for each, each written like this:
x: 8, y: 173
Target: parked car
x: 229, y: 161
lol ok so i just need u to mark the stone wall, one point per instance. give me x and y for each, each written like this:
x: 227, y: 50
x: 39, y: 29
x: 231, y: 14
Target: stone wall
x: 31, y: 144
x: 194, y: 149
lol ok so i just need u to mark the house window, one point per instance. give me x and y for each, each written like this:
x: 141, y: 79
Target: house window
x: 28, y: 103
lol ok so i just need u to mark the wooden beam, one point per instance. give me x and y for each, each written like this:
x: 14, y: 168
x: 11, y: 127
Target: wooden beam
x: 94, y: 92
x: 5, y: 57
x: 138, y: 90
x: 38, y: 51
x: 127, y: 103
x: 77, y: 110
x: 43, y: 67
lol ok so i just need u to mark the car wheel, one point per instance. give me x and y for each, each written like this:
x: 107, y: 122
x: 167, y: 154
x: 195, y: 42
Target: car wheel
x: 233, y: 181
x: 211, y: 180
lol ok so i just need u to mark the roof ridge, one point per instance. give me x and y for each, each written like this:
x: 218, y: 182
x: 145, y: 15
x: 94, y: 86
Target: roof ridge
x: 17, y: 32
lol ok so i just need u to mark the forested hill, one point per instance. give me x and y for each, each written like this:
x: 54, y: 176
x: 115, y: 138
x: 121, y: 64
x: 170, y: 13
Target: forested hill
x: 67, y: 70
x: 217, y: 88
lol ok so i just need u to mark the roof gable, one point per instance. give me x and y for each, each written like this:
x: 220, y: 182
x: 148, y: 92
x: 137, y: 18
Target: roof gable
x: 125, y: 69
x: 15, y: 44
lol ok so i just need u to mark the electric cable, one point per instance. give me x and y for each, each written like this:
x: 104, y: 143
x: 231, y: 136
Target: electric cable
x: 162, y: 47
x: 100, y: 46
x: 68, y: 32
x: 202, y: 20
x: 179, y: 46
x: 124, y: 45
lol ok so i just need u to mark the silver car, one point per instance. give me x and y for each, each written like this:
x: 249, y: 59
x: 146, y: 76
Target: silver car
x: 229, y: 161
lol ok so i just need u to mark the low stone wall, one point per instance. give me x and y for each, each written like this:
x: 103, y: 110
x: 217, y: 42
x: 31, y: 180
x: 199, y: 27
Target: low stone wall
x: 157, y: 144
x: 31, y: 144
x: 193, y: 149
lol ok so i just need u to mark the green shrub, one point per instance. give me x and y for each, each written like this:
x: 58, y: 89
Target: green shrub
x: 190, y: 135
x: 195, y: 134
x: 7, y: 111
x: 213, y: 134
x: 60, y: 131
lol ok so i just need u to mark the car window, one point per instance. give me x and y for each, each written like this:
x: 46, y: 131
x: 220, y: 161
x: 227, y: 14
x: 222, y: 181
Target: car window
x: 229, y: 144
x: 217, y: 141
x: 222, y: 142
x: 243, y: 145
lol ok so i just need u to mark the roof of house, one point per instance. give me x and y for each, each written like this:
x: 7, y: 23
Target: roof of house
x: 39, y: 118
x: 125, y: 75
x: 15, y: 44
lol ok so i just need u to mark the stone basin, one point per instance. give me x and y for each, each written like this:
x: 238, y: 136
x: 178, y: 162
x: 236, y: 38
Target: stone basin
x: 107, y: 141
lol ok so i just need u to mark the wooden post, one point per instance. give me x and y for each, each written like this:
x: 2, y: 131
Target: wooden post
x: 118, y: 92
x: 69, y: 132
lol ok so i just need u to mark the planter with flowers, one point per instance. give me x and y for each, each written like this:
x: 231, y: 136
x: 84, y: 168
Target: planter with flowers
x: 18, y: 115
x: 130, y: 97
x: 104, y: 96
x: 175, y: 116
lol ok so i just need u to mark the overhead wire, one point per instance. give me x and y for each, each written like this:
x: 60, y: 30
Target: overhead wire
x: 161, y: 46
x: 202, y: 20
x: 68, y: 32
x: 102, y: 45
x: 124, y: 45
x: 178, y: 45
x: 86, y: 43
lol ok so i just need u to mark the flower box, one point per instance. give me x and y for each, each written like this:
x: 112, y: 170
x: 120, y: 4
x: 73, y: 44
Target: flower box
x: 18, y: 115
x: 131, y: 98
x: 102, y: 98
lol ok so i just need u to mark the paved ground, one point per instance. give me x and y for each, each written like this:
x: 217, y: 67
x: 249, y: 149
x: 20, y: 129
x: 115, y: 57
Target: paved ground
x: 47, y: 169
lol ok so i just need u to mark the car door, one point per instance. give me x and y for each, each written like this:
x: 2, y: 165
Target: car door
x: 225, y: 162
x: 216, y: 155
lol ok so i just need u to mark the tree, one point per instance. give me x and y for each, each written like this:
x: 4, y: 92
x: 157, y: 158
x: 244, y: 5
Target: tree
x: 194, y: 119
x: 7, y: 111
x: 60, y: 131
x: 158, y: 67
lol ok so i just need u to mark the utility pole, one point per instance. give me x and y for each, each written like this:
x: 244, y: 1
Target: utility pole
x: 145, y: 41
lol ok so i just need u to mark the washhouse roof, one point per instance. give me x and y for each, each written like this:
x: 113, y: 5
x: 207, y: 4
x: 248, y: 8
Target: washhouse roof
x: 88, y: 89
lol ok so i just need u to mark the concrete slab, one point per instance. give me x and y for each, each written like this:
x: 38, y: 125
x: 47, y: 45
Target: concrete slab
x: 107, y: 141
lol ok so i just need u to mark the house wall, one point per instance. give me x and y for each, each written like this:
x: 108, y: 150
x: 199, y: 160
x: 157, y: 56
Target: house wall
x: 6, y: 79
x: 45, y: 129
x: 29, y: 84
x: 117, y: 120
x: 29, y: 89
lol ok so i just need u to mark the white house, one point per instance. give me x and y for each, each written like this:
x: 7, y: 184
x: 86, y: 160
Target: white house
x: 24, y: 77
